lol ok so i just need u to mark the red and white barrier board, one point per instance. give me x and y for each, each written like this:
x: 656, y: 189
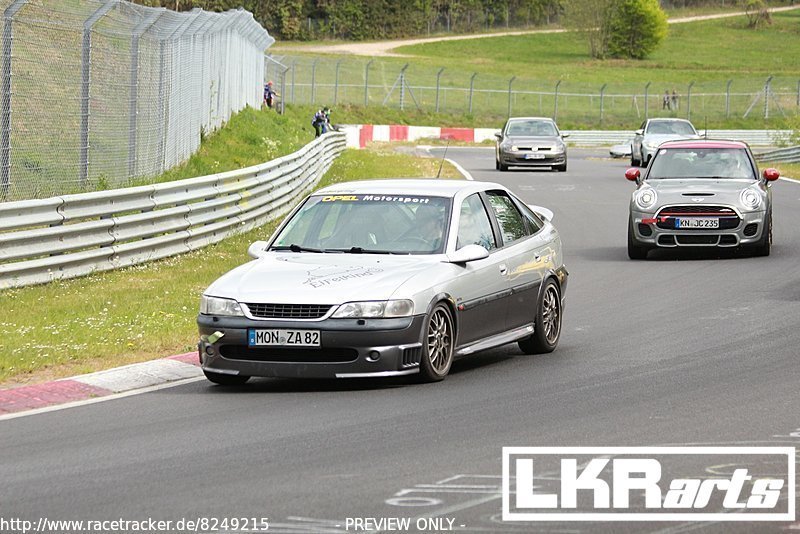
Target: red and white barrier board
x: 358, y: 135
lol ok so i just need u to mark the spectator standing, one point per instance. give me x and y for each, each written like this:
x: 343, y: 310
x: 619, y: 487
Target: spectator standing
x: 674, y: 100
x: 666, y: 102
x: 320, y: 121
x: 269, y: 94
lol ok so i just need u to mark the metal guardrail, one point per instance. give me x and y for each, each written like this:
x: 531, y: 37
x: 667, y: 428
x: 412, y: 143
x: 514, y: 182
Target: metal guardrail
x: 784, y: 155
x: 74, y: 235
x: 613, y: 137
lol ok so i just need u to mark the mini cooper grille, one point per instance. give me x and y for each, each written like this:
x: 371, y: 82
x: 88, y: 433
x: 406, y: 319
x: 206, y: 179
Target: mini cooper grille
x: 697, y: 239
x: 728, y: 219
x: 288, y: 311
x: 271, y: 354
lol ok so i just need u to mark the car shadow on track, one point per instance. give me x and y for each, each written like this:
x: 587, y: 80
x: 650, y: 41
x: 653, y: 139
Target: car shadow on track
x: 299, y: 385
x: 618, y: 254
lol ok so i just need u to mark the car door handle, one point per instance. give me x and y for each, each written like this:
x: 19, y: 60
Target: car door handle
x: 503, y: 270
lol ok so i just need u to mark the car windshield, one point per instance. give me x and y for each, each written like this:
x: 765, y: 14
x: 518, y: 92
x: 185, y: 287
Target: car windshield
x: 531, y: 128
x: 682, y: 163
x: 670, y: 128
x: 372, y: 223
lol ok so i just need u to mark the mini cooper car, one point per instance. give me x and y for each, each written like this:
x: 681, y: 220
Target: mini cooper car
x: 530, y: 142
x: 653, y: 132
x: 387, y: 278
x: 701, y: 193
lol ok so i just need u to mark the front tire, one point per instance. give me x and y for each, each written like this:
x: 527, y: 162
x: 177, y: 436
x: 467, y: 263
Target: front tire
x: 438, y: 344
x: 764, y: 245
x: 225, y: 380
x: 561, y: 168
x: 635, y: 252
x: 502, y: 167
x: 547, y: 323
x: 634, y: 162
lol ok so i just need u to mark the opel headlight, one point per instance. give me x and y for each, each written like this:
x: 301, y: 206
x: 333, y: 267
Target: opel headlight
x: 218, y: 306
x: 646, y: 198
x: 650, y: 145
x: 750, y: 198
x: 374, y: 309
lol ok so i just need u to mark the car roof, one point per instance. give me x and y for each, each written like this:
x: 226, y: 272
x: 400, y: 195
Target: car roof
x: 668, y: 119
x: 410, y: 186
x: 704, y: 143
x: 548, y: 119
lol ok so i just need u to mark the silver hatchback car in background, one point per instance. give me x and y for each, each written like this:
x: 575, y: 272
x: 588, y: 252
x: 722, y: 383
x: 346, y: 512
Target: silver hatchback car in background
x: 530, y: 142
x: 387, y: 278
x: 701, y: 193
x: 653, y: 132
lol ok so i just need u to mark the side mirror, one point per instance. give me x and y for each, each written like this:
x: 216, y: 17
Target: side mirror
x: 639, y: 132
x: 258, y: 249
x: 542, y: 212
x: 771, y: 174
x: 633, y: 175
x: 467, y: 254
x: 564, y: 135
x: 498, y: 135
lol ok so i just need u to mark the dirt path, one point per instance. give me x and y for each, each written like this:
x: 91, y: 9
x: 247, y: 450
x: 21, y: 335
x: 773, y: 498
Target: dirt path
x: 384, y: 48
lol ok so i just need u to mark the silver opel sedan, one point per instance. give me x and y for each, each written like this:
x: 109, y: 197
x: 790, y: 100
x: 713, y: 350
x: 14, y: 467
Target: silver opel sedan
x: 387, y: 278
x: 701, y: 193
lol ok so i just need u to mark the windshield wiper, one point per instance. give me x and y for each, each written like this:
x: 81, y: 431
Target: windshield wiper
x: 359, y: 250
x: 297, y: 248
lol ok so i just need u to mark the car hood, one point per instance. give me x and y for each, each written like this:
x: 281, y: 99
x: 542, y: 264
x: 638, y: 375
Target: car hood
x: 722, y: 191
x: 547, y: 140
x: 309, y: 278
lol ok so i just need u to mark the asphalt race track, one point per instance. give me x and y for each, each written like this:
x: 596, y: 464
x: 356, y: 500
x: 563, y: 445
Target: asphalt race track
x: 688, y: 349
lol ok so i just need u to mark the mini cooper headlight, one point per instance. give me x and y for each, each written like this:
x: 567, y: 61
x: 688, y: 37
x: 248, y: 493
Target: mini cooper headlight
x: 646, y: 198
x: 374, y: 309
x: 750, y: 197
x: 218, y: 306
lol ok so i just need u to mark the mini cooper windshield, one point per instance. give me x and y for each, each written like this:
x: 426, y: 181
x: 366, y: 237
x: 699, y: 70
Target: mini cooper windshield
x: 708, y: 163
x: 364, y: 224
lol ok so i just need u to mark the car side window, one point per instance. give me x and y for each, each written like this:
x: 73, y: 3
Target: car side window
x: 512, y: 225
x: 534, y: 222
x: 474, y: 227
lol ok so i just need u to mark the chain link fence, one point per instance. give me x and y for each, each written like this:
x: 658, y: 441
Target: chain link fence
x: 394, y: 83
x: 99, y: 94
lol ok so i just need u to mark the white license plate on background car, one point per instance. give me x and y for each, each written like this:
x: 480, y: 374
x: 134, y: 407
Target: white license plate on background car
x: 697, y: 223
x: 282, y: 338
x: 534, y: 156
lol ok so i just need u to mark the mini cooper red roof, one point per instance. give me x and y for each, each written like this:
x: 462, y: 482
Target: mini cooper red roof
x: 703, y: 143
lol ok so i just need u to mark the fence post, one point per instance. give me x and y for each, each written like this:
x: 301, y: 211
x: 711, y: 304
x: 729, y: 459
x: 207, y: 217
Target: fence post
x: 555, y: 108
x: 728, y: 99
x: 86, y: 71
x: 5, y: 104
x: 646, y: 99
x: 294, y: 68
x: 138, y: 31
x: 602, y: 95
x: 689, y: 101
x: 366, y: 82
x: 441, y: 70
x: 403, y: 87
x: 767, y: 90
x: 281, y: 101
x: 509, y: 93
x: 471, y: 89
x: 314, y: 81
x: 336, y: 83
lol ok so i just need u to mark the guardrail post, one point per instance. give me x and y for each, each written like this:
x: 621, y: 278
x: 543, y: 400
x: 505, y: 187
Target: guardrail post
x: 366, y: 82
x: 509, y: 93
x: 86, y: 79
x: 646, y: 99
x: 5, y: 103
x: 602, y: 96
x: 767, y: 89
x: 138, y: 31
x: 336, y: 83
x: 314, y: 81
x: 728, y: 99
x: 689, y: 101
x: 441, y: 70
x: 555, y: 108
x: 471, y: 89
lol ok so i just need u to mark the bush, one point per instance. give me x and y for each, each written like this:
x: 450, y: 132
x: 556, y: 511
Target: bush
x: 637, y: 27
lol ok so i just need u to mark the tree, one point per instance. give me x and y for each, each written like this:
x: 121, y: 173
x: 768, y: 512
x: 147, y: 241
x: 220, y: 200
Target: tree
x: 593, y: 19
x: 757, y: 13
x: 636, y: 28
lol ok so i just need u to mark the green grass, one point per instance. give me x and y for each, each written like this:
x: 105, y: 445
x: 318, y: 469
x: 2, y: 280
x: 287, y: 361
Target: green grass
x: 705, y: 53
x: 147, y: 311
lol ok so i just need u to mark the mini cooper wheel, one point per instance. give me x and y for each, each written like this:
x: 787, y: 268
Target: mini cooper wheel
x: 635, y: 252
x: 763, y: 246
x: 437, y: 345
x: 547, y: 323
x: 226, y: 380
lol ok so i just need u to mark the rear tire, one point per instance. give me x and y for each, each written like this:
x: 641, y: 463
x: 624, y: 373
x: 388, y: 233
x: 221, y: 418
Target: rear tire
x: 438, y: 344
x: 547, y: 323
x: 226, y: 380
x: 762, y: 248
x: 635, y: 252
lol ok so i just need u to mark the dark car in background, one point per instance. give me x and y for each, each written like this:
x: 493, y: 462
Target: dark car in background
x: 530, y: 142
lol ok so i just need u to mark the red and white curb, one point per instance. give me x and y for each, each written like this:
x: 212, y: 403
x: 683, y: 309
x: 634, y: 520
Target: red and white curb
x: 134, y: 378
x: 359, y: 135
